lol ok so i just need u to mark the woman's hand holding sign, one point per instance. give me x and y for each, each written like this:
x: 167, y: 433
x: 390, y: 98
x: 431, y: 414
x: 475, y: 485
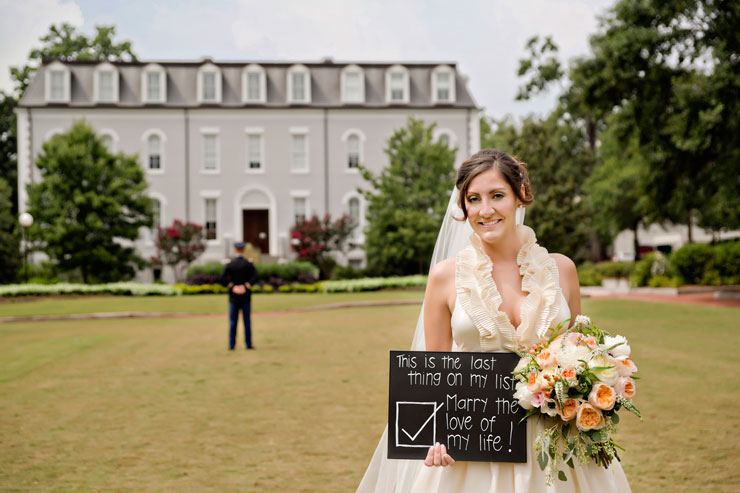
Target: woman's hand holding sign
x: 438, y: 456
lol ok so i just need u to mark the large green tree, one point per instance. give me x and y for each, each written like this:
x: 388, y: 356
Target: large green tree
x: 407, y: 200
x: 64, y: 43
x: 670, y: 71
x: 89, y: 206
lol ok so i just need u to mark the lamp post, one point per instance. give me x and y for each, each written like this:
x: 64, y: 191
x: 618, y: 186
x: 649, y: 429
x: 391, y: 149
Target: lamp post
x: 26, y: 221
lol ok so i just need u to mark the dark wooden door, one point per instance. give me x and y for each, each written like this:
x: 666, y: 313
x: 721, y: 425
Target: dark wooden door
x: 256, y: 229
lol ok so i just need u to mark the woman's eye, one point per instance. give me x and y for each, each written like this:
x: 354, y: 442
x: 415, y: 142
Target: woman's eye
x: 498, y: 195
x: 472, y: 199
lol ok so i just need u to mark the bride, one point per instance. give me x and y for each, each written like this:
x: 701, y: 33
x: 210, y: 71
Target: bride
x: 491, y: 288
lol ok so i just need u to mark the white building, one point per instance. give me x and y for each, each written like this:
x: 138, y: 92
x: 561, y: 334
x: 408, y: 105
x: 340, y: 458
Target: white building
x: 247, y: 148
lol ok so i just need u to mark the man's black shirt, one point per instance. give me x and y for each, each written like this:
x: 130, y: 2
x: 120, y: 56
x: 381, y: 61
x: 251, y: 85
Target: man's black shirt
x: 239, y: 271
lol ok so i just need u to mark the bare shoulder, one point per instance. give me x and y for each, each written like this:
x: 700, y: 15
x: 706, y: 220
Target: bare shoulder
x: 564, y: 263
x: 443, y: 271
x: 569, y: 282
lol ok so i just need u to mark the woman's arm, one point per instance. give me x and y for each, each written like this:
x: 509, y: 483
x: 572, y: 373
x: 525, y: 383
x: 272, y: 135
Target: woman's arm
x: 569, y: 283
x: 438, y: 304
x: 440, y: 290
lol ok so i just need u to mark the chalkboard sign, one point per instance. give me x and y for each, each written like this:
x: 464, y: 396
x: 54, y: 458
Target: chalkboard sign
x: 462, y: 400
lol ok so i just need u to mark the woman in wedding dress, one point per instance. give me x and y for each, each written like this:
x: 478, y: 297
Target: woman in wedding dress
x: 491, y: 288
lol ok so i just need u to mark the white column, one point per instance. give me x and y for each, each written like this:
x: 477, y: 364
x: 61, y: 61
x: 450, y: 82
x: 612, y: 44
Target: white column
x: 24, y: 157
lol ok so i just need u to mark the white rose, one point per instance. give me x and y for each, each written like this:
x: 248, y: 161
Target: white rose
x: 608, y: 376
x: 620, y: 352
x: 568, y: 356
x: 523, y: 396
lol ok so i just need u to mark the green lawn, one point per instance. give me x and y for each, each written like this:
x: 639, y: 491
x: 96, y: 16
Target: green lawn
x: 160, y: 405
x: 201, y: 304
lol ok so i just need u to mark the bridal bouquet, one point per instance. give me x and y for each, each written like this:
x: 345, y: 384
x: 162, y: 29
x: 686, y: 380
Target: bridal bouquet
x: 578, y: 380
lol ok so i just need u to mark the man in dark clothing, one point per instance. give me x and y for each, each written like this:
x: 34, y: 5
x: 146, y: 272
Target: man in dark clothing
x: 239, y: 276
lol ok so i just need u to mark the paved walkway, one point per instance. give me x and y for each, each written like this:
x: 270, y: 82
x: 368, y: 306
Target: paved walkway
x: 703, y: 299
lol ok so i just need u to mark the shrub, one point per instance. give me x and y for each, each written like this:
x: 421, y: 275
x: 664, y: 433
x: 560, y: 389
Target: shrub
x: 693, y: 261
x: 727, y: 261
x: 652, y: 265
x: 118, y: 288
x: 198, y: 279
x: 662, y: 282
x: 347, y: 272
x: 208, y: 269
x: 372, y: 284
x: 297, y: 270
x: 617, y: 270
x: 588, y: 275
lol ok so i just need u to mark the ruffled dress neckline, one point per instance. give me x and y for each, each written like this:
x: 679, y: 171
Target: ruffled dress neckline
x: 479, y: 296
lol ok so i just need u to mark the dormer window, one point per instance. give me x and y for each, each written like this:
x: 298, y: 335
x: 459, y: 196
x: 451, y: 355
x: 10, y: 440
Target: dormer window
x: 397, y: 85
x: 353, y: 84
x: 105, y: 85
x: 209, y: 84
x: 443, y: 85
x: 254, y: 86
x: 154, y: 84
x: 57, y: 83
x: 299, y: 84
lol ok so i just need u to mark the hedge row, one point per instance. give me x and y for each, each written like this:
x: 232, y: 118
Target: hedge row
x: 354, y: 285
x: 276, y: 274
x: 118, y: 288
x: 373, y: 284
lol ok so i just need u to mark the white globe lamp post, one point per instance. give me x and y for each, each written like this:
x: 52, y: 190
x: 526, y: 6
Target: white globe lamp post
x: 26, y: 221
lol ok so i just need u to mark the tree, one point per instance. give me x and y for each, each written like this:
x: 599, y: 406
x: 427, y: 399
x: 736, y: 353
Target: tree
x: 407, y: 200
x: 315, y: 239
x: 617, y: 187
x: 62, y: 42
x: 10, y: 252
x: 178, y: 246
x: 89, y: 206
x: 669, y: 70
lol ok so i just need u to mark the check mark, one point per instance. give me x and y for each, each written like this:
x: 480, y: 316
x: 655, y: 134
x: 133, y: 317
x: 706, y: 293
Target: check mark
x: 412, y: 438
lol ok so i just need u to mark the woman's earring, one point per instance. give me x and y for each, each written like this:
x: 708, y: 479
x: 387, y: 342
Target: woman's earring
x: 520, y: 215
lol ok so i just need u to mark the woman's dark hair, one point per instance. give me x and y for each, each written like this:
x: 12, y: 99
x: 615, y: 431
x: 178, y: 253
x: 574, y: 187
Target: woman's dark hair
x: 513, y: 171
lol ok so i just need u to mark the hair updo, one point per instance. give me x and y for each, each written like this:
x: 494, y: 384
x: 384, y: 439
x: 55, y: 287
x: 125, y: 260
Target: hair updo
x: 513, y: 171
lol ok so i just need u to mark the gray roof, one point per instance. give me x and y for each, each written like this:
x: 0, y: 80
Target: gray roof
x: 182, y: 77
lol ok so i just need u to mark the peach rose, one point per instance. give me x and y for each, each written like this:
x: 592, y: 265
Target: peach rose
x: 545, y: 358
x: 591, y: 342
x: 625, y: 387
x: 589, y: 418
x: 602, y: 396
x: 570, y: 376
x: 532, y: 384
x: 570, y: 409
x: 626, y: 367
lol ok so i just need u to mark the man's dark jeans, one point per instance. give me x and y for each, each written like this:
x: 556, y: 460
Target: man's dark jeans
x: 234, y: 319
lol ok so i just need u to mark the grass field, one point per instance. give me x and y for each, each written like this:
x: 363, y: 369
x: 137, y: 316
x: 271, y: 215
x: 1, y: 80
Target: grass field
x: 199, y: 304
x: 160, y: 405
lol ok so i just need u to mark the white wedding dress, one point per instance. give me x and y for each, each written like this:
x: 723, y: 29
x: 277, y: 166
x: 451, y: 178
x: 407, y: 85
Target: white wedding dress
x: 479, y: 325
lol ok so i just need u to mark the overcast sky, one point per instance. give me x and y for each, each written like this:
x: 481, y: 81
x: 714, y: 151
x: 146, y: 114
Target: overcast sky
x: 485, y: 37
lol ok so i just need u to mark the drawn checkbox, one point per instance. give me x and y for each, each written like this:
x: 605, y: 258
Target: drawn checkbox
x: 416, y: 423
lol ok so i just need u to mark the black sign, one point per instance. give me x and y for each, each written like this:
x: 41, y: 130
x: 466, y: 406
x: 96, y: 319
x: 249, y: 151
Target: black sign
x: 462, y: 400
